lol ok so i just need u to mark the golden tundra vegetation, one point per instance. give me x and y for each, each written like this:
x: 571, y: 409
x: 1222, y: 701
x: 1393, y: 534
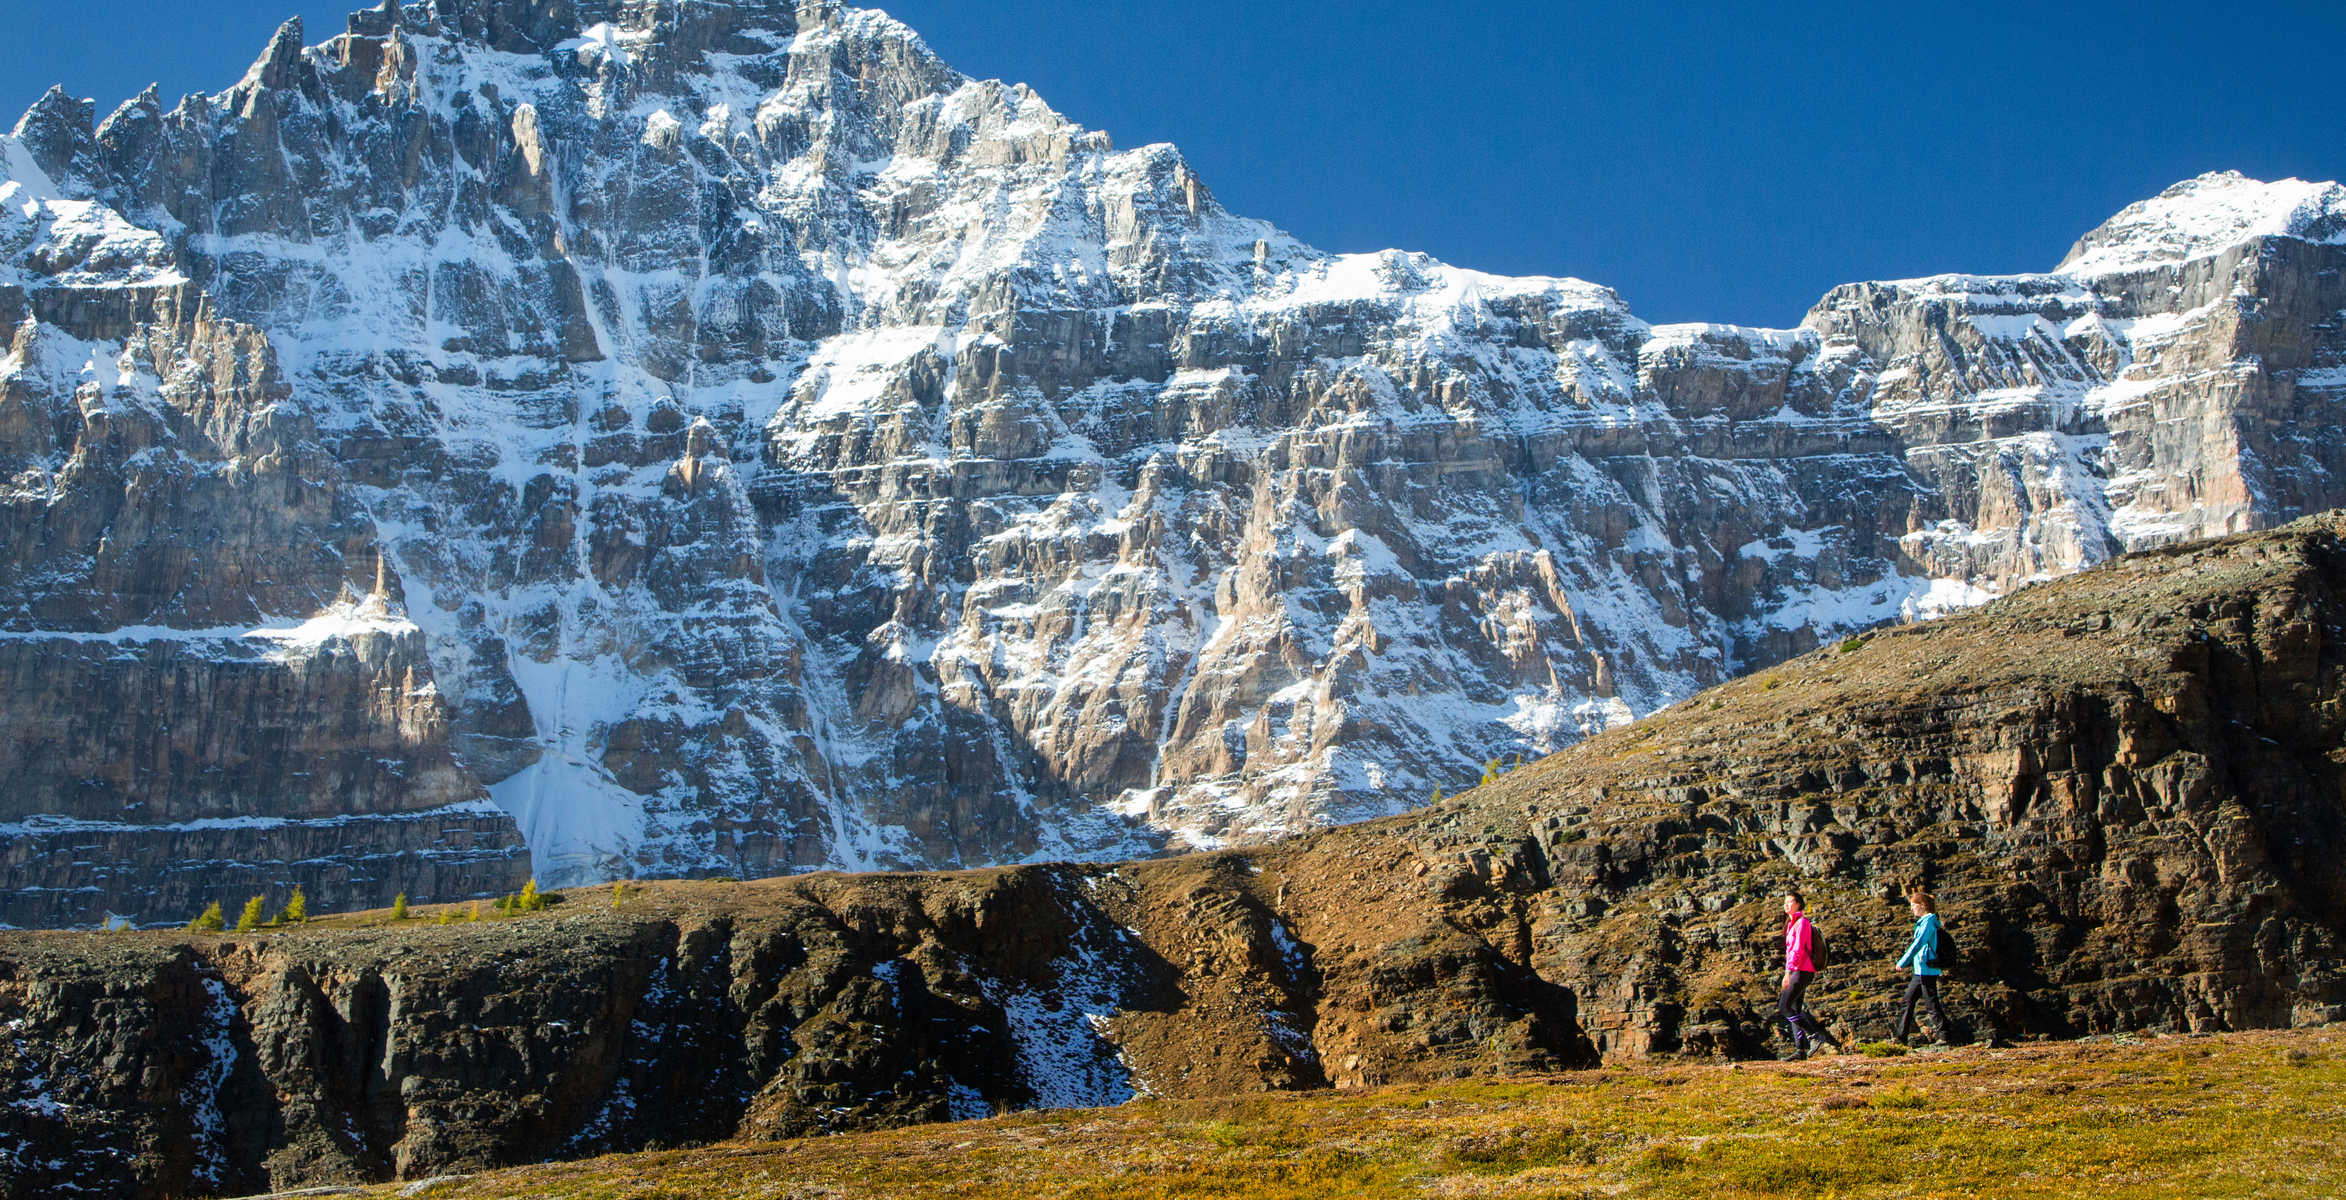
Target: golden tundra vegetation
x: 2230, y: 1115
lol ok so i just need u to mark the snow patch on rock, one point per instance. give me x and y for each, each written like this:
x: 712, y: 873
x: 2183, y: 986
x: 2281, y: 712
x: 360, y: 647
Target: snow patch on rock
x: 2209, y: 215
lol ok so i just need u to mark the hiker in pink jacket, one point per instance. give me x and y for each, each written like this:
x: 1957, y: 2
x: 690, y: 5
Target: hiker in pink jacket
x: 1800, y: 966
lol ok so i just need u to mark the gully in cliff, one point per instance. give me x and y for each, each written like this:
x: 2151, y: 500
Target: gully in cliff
x: 1803, y: 954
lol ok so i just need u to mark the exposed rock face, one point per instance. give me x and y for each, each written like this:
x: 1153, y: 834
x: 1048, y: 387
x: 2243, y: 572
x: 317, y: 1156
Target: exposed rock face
x: 2123, y: 786
x: 788, y: 452
x: 172, y: 735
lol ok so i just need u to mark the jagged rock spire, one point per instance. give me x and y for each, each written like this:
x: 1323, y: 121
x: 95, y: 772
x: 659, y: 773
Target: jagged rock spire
x: 279, y: 62
x: 379, y: 20
x: 59, y: 131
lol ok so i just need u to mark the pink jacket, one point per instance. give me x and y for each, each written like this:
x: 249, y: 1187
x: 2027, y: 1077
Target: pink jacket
x: 1797, y: 935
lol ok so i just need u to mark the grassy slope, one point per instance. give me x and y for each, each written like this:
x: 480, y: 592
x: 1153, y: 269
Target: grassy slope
x: 2253, y: 1114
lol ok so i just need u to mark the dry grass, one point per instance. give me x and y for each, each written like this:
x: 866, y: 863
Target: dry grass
x: 2240, y: 1115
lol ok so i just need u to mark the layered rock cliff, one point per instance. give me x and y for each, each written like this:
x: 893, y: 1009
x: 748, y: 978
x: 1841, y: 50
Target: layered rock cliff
x: 2124, y: 787
x: 721, y: 437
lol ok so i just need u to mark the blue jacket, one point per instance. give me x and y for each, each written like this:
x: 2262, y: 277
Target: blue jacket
x: 1924, y: 948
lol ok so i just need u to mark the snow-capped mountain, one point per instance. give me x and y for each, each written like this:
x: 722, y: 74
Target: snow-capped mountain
x: 721, y: 437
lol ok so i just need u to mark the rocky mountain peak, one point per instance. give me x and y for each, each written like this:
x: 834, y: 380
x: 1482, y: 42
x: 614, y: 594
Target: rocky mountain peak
x: 538, y: 26
x: 2208, y: 215
x: 279, y: 62
x: 56, y: 133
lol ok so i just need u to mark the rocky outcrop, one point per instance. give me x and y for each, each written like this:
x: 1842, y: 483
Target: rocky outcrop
x: 789, y: 453
x: 2123, y: 787
x: 211, y: 690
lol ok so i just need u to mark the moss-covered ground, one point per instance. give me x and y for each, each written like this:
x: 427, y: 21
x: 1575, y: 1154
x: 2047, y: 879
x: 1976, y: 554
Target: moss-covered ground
x: 2255, y: 1114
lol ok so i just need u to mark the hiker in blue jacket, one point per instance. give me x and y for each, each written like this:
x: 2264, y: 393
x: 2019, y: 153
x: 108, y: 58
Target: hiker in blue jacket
x: 1922, y: 954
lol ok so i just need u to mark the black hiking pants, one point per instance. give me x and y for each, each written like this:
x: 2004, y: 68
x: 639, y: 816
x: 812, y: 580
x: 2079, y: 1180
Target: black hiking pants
x: 1923, y: 987
x: 1791, y: 1006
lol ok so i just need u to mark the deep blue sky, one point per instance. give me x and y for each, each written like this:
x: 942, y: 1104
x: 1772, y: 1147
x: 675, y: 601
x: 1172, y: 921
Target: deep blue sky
x: 1712, y: 161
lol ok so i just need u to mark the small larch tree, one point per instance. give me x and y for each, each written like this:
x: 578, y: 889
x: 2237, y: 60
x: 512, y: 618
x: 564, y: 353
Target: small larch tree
x: 297, y: 909
x: 531, y: 900
x: 399, y: 907
x: 210, y: 920
x: 251, y: 917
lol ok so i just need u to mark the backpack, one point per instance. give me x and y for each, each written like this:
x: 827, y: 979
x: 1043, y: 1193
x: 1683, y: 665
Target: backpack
x: 1818, y: 957
x: 1944, y: 954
